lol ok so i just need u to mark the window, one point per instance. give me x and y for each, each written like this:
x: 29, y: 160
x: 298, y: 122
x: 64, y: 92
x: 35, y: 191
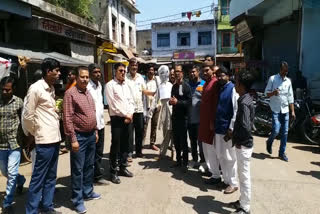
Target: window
x: 183, y: 39
x: 204, y: 38
x: 163, y: 40
x: 225, y: 4
x: 130, y: 37
x: 130, y: 15
x: 114, y: 27
x: 226, y: 40
x: 123, y: 33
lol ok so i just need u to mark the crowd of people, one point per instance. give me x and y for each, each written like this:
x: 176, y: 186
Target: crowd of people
x: 214, y: 108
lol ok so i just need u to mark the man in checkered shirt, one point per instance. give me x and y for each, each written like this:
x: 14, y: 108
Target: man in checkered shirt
x: 81, y: 127
x: 10, y: 110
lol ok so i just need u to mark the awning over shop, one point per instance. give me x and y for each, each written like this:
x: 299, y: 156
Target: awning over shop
x: 128, y: 52
x: 37, y: 57
x: 111, y: 61
x: 117, y: 55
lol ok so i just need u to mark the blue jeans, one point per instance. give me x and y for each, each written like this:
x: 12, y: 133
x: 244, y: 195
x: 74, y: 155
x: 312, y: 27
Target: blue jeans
x: 9, y: 166
x: 43, y: 180
x: 279, y: 120
x: 82, y: 167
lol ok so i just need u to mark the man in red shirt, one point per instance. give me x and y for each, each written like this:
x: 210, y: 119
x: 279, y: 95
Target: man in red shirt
x: 208, y: 108
x: 81, y: 127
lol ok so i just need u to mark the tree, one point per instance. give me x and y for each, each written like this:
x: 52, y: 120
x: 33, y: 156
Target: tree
x: 78, y: 7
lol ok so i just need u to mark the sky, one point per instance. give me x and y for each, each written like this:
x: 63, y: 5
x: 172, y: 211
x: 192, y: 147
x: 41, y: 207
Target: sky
x: 151, y: 9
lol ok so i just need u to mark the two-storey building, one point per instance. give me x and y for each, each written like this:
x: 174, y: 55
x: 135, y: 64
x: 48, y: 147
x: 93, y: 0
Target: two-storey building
x: 183, y: 42
x: 227, y: 51
x: 116, y: 19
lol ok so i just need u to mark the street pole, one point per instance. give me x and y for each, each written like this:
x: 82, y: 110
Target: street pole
x: 215, y: 32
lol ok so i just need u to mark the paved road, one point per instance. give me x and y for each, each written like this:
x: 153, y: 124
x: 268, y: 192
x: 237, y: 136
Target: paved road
x: 278, y: 187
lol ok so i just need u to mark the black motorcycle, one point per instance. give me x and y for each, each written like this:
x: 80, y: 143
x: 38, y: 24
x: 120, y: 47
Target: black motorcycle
x: 306, y: 124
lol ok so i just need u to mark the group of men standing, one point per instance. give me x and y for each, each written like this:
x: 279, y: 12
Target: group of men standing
x: 83, y: 120
x: 216, y: 112
x: 219, y: 121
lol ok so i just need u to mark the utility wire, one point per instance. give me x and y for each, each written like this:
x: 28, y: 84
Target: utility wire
x: 172, y: 19
x: 148, y: 20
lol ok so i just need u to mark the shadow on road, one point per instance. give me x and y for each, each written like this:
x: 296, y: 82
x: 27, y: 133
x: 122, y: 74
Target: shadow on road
x: 206, y: 204
x: 315, y: 174
x: 192, y: 177
x: 262, y: 156
x: 313, y: 149
x: 315, y: 163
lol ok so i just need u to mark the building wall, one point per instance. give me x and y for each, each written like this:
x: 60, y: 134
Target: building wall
x: 103, y: 12
x: 143, y: 40
x: 121, y: 12
x: 201, y: 50
x: 238, y: 7
x: 309, y: 46
x: 280, y: 10
x: 281, y: 43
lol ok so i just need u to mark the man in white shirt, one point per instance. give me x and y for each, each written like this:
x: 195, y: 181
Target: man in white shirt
x: 95, y: 89
x: 152, y: 86
x: 121, y: 109
x: 137, y: 88
x: 279, y: 89
x: 41, y: 120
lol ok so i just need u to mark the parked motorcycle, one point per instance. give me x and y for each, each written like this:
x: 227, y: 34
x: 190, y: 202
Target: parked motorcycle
x: 306, y: 124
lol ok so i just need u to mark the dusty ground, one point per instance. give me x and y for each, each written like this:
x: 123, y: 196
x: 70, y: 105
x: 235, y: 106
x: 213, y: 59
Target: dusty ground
x: 278, y: 187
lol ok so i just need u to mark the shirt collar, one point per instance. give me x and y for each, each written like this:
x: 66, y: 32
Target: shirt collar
x: 46, y: 85
x: 285, y: 78
x: 13, y: 98
x: 117, y: 81
x: 95, y: 86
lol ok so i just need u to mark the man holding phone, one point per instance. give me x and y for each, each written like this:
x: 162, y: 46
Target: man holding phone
x: 225, y: 118
x: 279, y: 90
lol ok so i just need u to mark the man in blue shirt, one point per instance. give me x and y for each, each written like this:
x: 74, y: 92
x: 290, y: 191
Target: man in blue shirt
x: 196, y: 84
x: 279, y: 90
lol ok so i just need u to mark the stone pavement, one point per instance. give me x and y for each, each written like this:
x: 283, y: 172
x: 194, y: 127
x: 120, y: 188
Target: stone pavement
x: 277, y: 187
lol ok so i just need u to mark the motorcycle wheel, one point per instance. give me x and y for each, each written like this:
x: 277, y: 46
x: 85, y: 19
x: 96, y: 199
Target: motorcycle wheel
x: 259, y: 129
x: 310, y: 133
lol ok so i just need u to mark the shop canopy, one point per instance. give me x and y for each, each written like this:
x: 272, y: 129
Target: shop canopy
x: 37, y: 57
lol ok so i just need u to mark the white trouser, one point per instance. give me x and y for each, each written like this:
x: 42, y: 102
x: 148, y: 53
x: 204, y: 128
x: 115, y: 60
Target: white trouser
x: 227, y: 159
x: 210, y: 155
x: 243, y: 162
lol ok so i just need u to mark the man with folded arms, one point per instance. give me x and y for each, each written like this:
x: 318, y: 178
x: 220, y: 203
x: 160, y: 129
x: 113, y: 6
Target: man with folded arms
x: 81, y: 127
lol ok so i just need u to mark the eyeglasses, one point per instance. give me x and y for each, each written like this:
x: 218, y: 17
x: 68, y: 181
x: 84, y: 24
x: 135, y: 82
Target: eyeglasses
x: 122, y: 70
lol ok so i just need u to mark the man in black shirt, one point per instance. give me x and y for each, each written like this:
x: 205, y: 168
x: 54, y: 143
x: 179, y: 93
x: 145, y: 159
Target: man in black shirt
x: 243, y: 140
x: 180, y: 100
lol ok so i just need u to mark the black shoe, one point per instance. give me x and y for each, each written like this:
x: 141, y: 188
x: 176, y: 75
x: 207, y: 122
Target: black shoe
x: 19, y: 188
x: 207, y: 173
x: 284, y: 157
x: 213, y: 181
x: 115, y: 179
x: 241, y: 211
x: 51, y: 212
x: 269, y: 148
x: 101, y: 182
x: 139, y: 155
x: 126, y: 164
x: 235, y: 205
x: 126, y: 173
x: 184, y: 169
x: 176, y: 165
x: 8, y: 210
